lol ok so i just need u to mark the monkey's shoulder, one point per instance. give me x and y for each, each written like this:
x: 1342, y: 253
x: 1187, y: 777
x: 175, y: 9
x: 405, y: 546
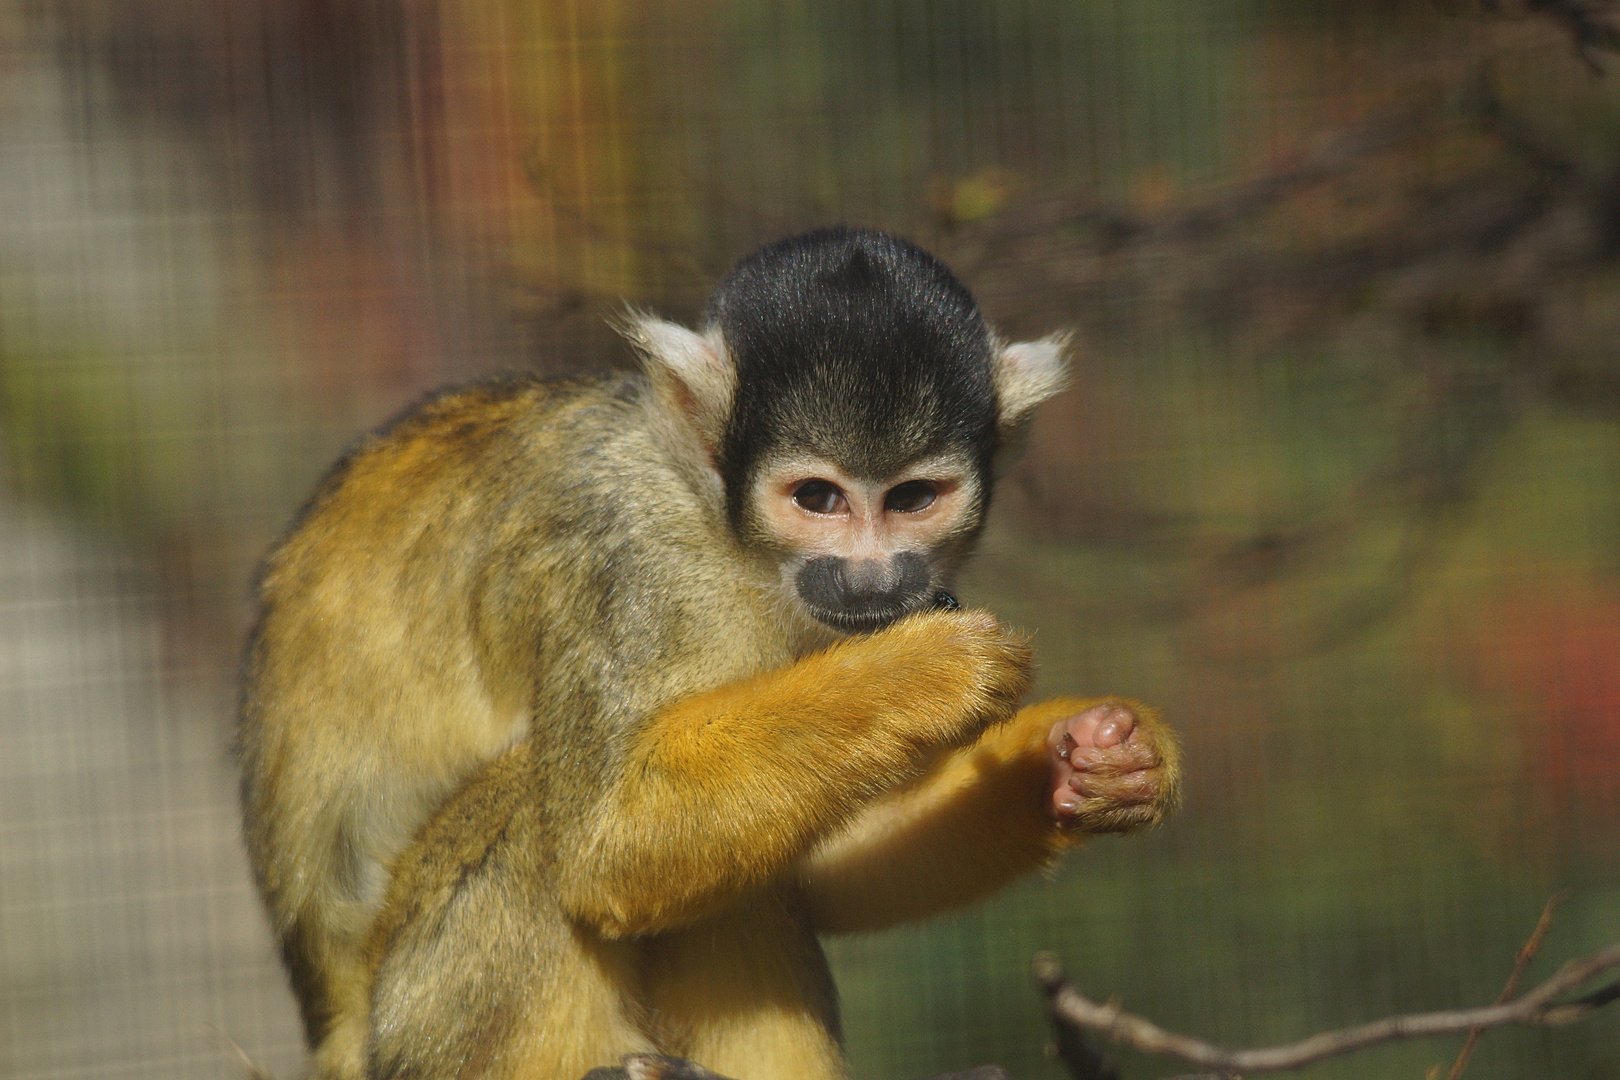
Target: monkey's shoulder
x: 463, y: 425
x: 459, y: 446
x: 551, y: 506
x: 465, y: 414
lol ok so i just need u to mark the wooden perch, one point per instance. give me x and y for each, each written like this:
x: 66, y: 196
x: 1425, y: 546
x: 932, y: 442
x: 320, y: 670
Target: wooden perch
x: 1536, y: 1008
x: 660, y: 1067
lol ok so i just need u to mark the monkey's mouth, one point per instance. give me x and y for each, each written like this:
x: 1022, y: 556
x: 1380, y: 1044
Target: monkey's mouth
x: 867, y: 620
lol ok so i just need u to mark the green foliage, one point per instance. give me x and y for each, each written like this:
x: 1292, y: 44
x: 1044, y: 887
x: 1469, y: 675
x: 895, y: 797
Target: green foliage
x: 80, y: 433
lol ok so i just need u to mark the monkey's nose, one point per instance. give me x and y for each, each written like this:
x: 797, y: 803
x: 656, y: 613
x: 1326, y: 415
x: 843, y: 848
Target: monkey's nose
x: 869, y: 577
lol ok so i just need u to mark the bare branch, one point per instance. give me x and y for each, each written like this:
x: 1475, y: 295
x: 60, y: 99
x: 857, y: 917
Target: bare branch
x: 663, y: 1067
x: 1526, y: 954
x: 1536, y: 1008
x: 1082, y: 1059
x: 653, y: 1067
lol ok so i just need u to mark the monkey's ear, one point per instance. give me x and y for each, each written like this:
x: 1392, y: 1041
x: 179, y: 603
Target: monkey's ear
x: 1027, y: 373
x: 691, y: 373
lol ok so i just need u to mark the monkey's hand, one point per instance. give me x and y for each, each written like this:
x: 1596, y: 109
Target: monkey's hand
x: 1113, y: 769
x: 942, y: 677
x: 997, y: 809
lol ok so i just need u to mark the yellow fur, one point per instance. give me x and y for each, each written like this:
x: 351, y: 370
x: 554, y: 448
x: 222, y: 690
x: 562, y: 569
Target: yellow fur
x: 736, y: 783
x: 694, y: 907
x: 540, y: 769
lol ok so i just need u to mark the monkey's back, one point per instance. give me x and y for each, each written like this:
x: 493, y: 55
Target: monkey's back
x: 508, y: 557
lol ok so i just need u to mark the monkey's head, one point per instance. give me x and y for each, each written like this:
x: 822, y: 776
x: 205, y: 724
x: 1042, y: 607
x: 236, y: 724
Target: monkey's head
x: 855, y: 410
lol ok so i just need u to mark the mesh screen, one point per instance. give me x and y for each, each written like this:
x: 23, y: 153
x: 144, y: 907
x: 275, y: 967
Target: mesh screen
x: 1337, y: 483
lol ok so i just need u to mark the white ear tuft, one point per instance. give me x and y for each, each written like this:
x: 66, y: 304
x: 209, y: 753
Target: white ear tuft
x: 1027, y: 373
x: 691, y: 372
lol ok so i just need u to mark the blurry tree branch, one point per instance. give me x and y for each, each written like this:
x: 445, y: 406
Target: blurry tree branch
x: 1522, y: 961
x: 1590, y: 23
x: 1073, y: 1014
x: 1537, y: 1008
x: 1462, y: 220
x: 1079, y: 1055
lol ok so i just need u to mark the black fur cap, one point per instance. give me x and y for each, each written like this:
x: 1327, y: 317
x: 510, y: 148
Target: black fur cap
x: 857, y: 346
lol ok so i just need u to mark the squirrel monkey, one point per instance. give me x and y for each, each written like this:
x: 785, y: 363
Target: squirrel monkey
x: 575, y: 711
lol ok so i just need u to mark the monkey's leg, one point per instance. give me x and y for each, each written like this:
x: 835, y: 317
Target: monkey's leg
x: 974, y: 825
x: 747, y: 993
x: 346, y: 982
x: 728, y: 789
x: 463, y: 1005
x: 479, y: 973
x: 576, y: 1016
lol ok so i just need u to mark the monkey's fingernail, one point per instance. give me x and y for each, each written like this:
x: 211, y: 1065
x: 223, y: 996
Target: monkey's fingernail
x: 1065, y: 746
x: 1068, y: 801
x: 1111, y: 732
x: 945, y: 601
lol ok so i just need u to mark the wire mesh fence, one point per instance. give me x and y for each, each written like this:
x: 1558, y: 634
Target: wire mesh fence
x: 1337, y: 483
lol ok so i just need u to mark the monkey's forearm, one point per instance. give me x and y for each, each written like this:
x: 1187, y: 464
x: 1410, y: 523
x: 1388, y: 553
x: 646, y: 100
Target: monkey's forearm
x: 965, y: 831
x: 728, y: 789
x: 977, y: 823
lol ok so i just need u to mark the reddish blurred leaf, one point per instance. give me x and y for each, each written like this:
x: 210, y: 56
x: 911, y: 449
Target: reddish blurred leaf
x: 1558, y: 653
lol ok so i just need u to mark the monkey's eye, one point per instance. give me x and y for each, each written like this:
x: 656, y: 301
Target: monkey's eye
x: 820, y: 497
x: 911, y: 496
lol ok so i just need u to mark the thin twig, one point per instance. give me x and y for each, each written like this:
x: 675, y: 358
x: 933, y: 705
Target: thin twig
x: 1526, y: 954
x: 251, y: 1070
x: 1536, y: 1008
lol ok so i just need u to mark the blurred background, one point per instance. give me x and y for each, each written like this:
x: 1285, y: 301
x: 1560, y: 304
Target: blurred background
x: 1337, y: 484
